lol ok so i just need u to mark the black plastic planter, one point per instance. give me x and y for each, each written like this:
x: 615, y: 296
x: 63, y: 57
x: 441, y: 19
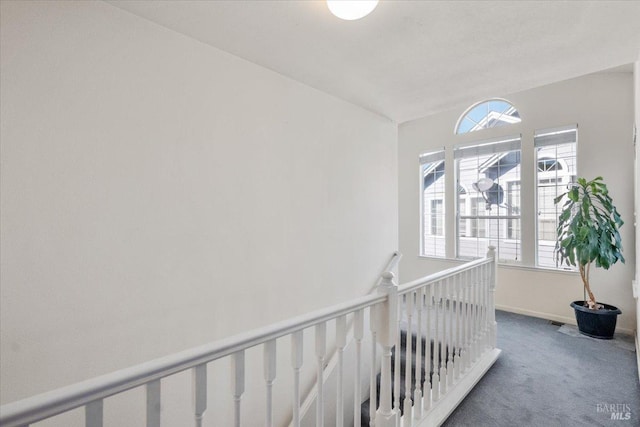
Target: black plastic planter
x: 596, y: 323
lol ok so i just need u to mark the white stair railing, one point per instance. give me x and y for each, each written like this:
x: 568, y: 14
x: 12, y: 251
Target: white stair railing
x: 354, y: 333
x: 453, y: 312
x: 467, y: 304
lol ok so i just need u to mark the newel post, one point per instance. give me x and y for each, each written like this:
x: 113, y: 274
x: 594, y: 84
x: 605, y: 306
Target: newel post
x: 493, y: 280
x: 387, y: 330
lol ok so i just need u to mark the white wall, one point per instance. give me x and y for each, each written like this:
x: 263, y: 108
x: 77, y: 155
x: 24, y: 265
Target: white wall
x: 602, y: 106
x: 158, y: 193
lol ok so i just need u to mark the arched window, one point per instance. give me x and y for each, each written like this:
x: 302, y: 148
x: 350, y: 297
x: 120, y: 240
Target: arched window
x: 489, y: 195
x: 487, y: 114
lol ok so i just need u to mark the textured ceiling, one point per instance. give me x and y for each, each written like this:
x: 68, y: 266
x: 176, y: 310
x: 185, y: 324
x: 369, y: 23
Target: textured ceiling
x: 408, y: 59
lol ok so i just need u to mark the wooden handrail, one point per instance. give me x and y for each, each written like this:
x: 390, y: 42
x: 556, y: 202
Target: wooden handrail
x: 413, y: 285
x: 57, y: 401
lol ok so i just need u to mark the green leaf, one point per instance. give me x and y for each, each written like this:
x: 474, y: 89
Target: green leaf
x: 565, y: 215
x: 557, y: 199
x: 574, y: 194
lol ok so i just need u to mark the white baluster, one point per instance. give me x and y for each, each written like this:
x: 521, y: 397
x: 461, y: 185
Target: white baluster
x: 358, y: 334
x: 463, y: 325
x: 269, y: 377
x: 427, y: 349
x: 485, y: 329
x: 387, y: 317
x: 199, y: 393
x: 321, y: 350
x: 493, y: 283
x: 341, y: 342
x: 482, y: 311
x: 458, y: 328
x: 93, y: 413
x: 153, y: 403
x: 445, y: 339
x: 470, y: 320
x: 474, y: 314
x: 396, y: 368
x: 417, y: 392
x: 451, y: 334
x: 373, y: 392
x: 488, y: 308
x: 468, y: 309
x: 466, y: 312
x: 237, y: 384
x: 435, y: 384
x: 479, y: 315
x: 487, y: 316
x: 408, y: 402
x: 296, y: 363
x: 478, y: 309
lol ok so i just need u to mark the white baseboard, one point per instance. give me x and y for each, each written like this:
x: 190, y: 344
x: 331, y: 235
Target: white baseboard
x: 553, y: 317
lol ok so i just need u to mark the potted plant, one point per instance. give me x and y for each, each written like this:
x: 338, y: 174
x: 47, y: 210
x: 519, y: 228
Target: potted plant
x: 587, y: 233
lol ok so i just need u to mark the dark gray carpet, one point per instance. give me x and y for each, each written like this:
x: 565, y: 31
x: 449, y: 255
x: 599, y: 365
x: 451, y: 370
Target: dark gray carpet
x: 552, y: 376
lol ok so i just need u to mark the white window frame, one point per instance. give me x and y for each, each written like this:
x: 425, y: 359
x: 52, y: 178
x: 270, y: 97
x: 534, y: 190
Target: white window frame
x: 498, y: 146
x: 522, y: 252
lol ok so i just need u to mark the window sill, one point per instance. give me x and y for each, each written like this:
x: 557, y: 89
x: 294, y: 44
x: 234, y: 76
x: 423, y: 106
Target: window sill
x: 538, y: 269
x: 503, y: 265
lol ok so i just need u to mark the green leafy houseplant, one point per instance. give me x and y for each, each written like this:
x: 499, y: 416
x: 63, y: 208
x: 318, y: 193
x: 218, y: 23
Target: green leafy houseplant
x: 588, y: 231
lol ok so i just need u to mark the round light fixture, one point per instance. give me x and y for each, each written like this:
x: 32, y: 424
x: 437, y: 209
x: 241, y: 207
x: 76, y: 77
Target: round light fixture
x: 351, y: 10
x: 483, y: 184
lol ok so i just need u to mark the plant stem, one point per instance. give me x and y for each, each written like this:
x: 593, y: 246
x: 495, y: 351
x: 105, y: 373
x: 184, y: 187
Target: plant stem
x: 584, y: 275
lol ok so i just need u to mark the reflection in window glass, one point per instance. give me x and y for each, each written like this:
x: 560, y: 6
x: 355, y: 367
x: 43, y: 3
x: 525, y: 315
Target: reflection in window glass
x: 513, y: 207
x: 437, y: 218
x: 432, y: 173
x: 556, y: 169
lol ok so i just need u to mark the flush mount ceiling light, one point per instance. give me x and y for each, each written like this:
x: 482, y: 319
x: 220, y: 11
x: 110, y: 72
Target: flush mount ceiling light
x: 351, y: 10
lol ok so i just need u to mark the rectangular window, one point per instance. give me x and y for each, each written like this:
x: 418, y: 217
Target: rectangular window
x: 432, y: 193
x: 437, y: 218
x: 488, y: 175
x: 556, y: 168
